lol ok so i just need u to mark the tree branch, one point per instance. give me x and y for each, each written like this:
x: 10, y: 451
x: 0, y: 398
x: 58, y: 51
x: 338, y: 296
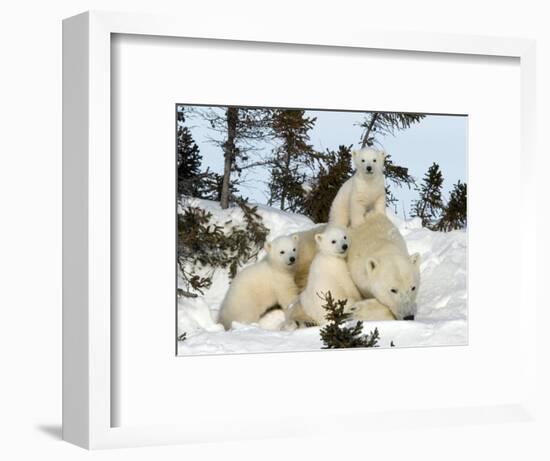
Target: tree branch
x: 364, y: 143
x: 255, y: 164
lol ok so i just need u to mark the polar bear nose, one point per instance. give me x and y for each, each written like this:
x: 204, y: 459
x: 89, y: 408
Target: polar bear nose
x: 409, y: 317
x: 292, y: 259
x: 345, y: 246
x: 369, y: 168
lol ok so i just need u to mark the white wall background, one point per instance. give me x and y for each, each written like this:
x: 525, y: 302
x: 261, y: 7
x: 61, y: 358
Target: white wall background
x: 30, y: 237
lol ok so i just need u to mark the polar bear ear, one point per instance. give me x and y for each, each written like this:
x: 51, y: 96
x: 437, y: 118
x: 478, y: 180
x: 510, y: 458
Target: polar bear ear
x: 354, y: 153
x: 267, y: 246
x: 295, y: 237
x: 318, y: 238
x: 415, y: 259
x: 383, y: 154
x: 372, y: 265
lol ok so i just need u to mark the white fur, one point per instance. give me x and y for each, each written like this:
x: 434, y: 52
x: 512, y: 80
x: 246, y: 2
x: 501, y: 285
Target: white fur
x: 379, y: 263
x: 307, y: 249
x: 328, y: 272
x: 273, y: 320
x: 363, y: 192
x: 265, y: 284
x: 371, y: 310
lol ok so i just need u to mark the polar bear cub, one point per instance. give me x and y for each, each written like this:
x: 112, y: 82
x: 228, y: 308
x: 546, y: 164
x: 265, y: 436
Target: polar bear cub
x: 329, y: 272
x: 363, y: 192
x: 263, y: 285
x: 381, y: 268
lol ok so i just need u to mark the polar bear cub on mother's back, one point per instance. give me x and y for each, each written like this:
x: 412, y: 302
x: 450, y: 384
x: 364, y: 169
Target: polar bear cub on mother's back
x: 263, y: 285
x: 329, y: 272
x: 363, y: 192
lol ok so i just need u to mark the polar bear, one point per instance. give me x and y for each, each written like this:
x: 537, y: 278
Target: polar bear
x: 381, y: 268
x: 307, y: 248
x: 263, y: 285
x: 363, y: 192
x: 328, y: 272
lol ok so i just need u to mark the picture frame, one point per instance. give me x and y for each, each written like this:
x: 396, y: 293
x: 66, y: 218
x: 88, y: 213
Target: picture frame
x: 89, y: 366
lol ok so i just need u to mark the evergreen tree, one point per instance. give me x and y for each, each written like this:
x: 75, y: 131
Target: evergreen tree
x: 335, y: 169
x: 189, y: 164
x: 454, y: 215
x: 205, y: 245
x: 189, y: 159
x: 338, y: 334
x: 213, y: 184
x: 398, y: 176
x: 239, y: 129
x: 429, y: 205
x: 230, y: 153
x: 384, y: 123
x: 290, y: 128
x: 192, y: 181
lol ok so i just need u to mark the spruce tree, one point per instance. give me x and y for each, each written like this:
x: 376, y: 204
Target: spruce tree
x: 189, y: 164
x: 338, y: 334
x: 335, y: 169
x: 454, y: 215
x: 230, y: 153
x: 384, y: 123
x: 238, y: 130
x: 429, y: 205
x: 290, y: 128
x: 189, y: 159
x: 207, y: 245
x: 397, y: 176
x: 192, y: 181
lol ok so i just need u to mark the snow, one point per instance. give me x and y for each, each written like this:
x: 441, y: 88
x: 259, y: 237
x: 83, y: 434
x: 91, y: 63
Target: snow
x: 277, y: 221
x: 442, y: 301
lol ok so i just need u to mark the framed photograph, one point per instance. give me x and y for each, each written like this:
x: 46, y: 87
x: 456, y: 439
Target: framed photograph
x: 253, y: 219
x: 298, y: 228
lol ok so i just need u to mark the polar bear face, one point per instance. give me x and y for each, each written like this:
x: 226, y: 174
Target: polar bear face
x: 369, y: 161
x: 395, y: 283
x: 283, y: 252
x: 333, y: 241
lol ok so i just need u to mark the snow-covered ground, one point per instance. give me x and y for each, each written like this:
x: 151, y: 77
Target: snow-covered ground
x: 442, y: 314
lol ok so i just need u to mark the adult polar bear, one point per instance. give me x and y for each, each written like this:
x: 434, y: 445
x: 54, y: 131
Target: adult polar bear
x: 380, y: 266
x: 382, y: 269
x: 263, y: 285
x: 363, y: 192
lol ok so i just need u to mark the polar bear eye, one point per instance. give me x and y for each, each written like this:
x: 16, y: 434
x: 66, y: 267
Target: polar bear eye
x: 294, y: 249
x: 393, y: 290
x: 282, y: 252
x: 374, y: 161
x: 413, y: 288
x: 345, y: 238
x: 334, y: 241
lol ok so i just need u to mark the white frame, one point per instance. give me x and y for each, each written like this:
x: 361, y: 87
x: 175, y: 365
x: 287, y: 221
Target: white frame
x: 86, y: 213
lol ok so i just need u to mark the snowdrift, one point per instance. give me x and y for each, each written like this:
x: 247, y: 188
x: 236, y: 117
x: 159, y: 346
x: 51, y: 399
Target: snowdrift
x: 442, y: 314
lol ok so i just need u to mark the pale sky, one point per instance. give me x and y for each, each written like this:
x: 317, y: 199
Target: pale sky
x: 437, y: 138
